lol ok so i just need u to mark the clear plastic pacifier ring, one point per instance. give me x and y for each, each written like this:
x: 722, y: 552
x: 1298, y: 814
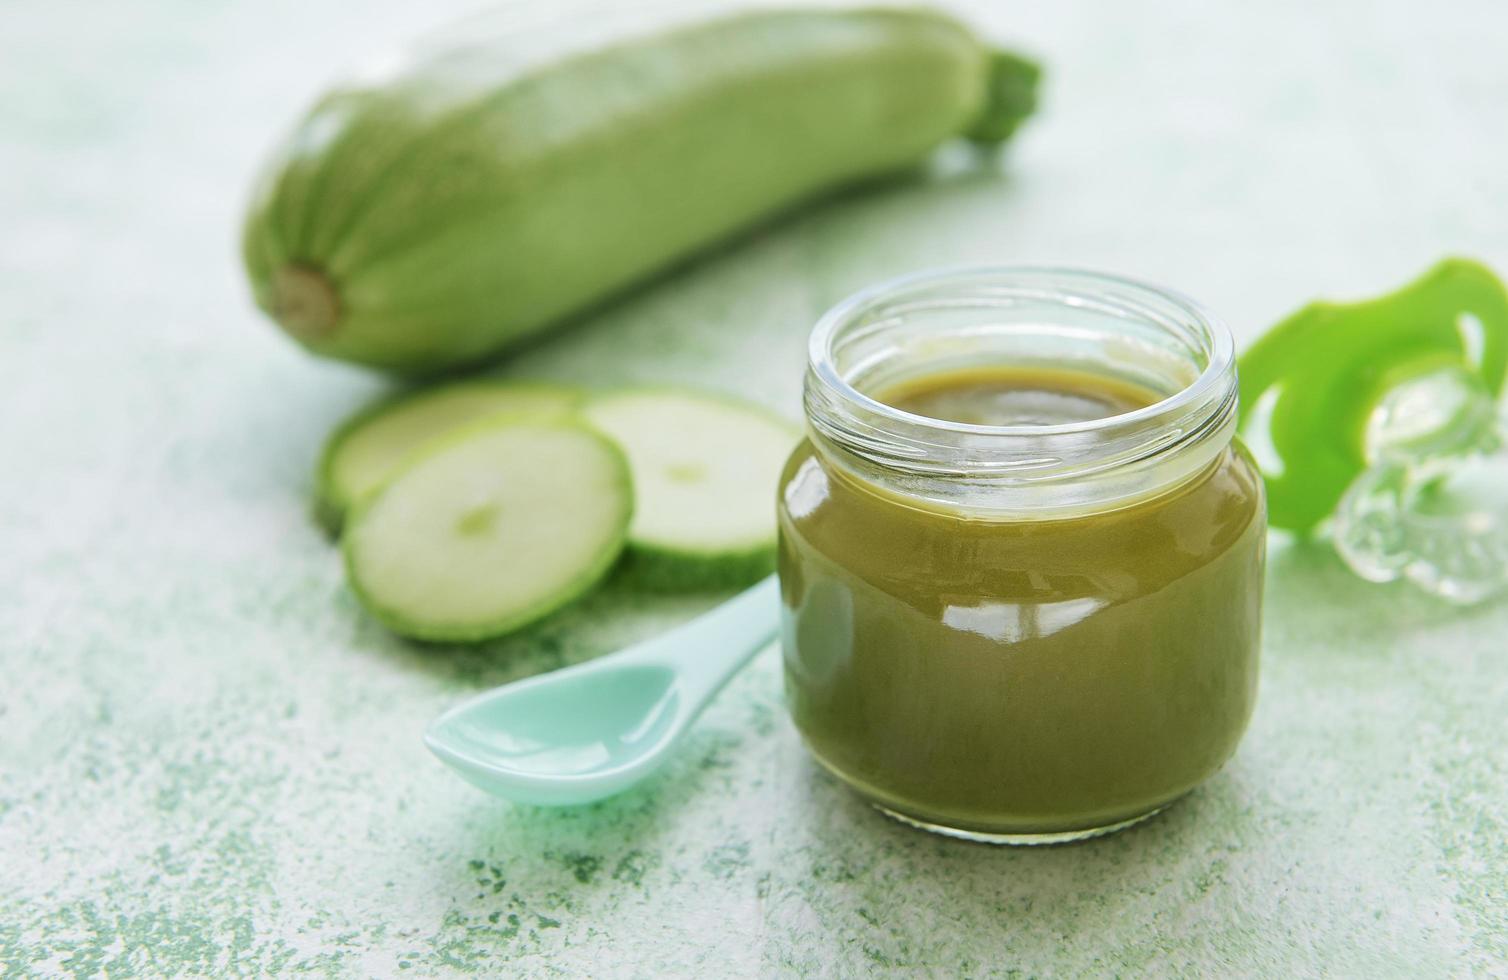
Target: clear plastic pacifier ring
x: 1384, y: 417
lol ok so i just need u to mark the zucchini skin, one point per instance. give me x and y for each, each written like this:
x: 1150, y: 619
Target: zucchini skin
x: 478, y: 195
x: 651, y: 569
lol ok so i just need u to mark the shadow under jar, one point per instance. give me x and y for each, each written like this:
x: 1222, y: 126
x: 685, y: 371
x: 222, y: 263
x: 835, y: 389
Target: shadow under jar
x: 1020, y: 552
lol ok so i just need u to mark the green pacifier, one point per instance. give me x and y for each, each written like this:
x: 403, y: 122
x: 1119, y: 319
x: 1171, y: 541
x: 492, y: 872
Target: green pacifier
x: 1383, y: 415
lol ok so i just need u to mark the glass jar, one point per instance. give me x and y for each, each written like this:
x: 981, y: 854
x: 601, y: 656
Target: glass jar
x: 1021, y: 633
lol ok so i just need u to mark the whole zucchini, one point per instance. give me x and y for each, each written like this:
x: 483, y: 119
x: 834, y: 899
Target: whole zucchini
x: 486, y: 188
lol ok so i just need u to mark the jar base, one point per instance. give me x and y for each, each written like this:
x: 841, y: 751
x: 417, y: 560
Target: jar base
x: 1018, y: 840
x: 1004, y: 839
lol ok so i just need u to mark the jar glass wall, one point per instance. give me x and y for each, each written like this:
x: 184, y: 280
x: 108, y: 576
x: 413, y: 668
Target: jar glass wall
x: 1021, y: 632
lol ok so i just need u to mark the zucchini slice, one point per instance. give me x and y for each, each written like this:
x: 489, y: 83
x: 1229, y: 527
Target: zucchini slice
x: 364, y: 452
x: 705, y: 470
x: 490, y: 529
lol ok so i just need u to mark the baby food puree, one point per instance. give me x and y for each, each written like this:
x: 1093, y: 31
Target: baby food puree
x: 1026, y: 672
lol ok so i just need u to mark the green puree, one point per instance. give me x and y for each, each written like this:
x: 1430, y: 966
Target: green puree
x: 995, y: 396
x: 1019, y: 676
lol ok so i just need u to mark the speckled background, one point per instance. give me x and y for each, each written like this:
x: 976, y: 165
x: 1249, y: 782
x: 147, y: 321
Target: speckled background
x: 210, y: 763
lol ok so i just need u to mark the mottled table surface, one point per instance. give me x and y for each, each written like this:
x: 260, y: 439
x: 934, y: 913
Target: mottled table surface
x: 209, y: 760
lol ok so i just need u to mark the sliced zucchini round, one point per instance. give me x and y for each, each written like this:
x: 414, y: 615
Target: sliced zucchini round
x: 705, y: 470
x: 490, y: 529
x: 361, y: 455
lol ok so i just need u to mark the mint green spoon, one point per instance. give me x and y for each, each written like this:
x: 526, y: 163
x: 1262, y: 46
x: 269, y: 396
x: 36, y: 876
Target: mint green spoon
x: 586, y: 732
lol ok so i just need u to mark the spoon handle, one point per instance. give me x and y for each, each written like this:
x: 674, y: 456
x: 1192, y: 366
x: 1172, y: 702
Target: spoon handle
x: 710, y: 649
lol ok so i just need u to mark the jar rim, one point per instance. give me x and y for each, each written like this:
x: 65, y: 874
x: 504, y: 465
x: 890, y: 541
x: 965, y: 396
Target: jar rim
x: 1218, y: 343
x: 1067, y: 467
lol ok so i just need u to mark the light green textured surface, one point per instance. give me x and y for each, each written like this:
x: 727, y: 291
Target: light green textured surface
x: 209, y: 760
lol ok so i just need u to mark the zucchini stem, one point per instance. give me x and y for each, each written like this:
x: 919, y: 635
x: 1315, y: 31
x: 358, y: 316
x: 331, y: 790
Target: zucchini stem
x: 1010, y: 97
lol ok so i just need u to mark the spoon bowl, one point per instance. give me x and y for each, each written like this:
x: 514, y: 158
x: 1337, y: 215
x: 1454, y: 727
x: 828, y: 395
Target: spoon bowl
x: 587, y: 732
